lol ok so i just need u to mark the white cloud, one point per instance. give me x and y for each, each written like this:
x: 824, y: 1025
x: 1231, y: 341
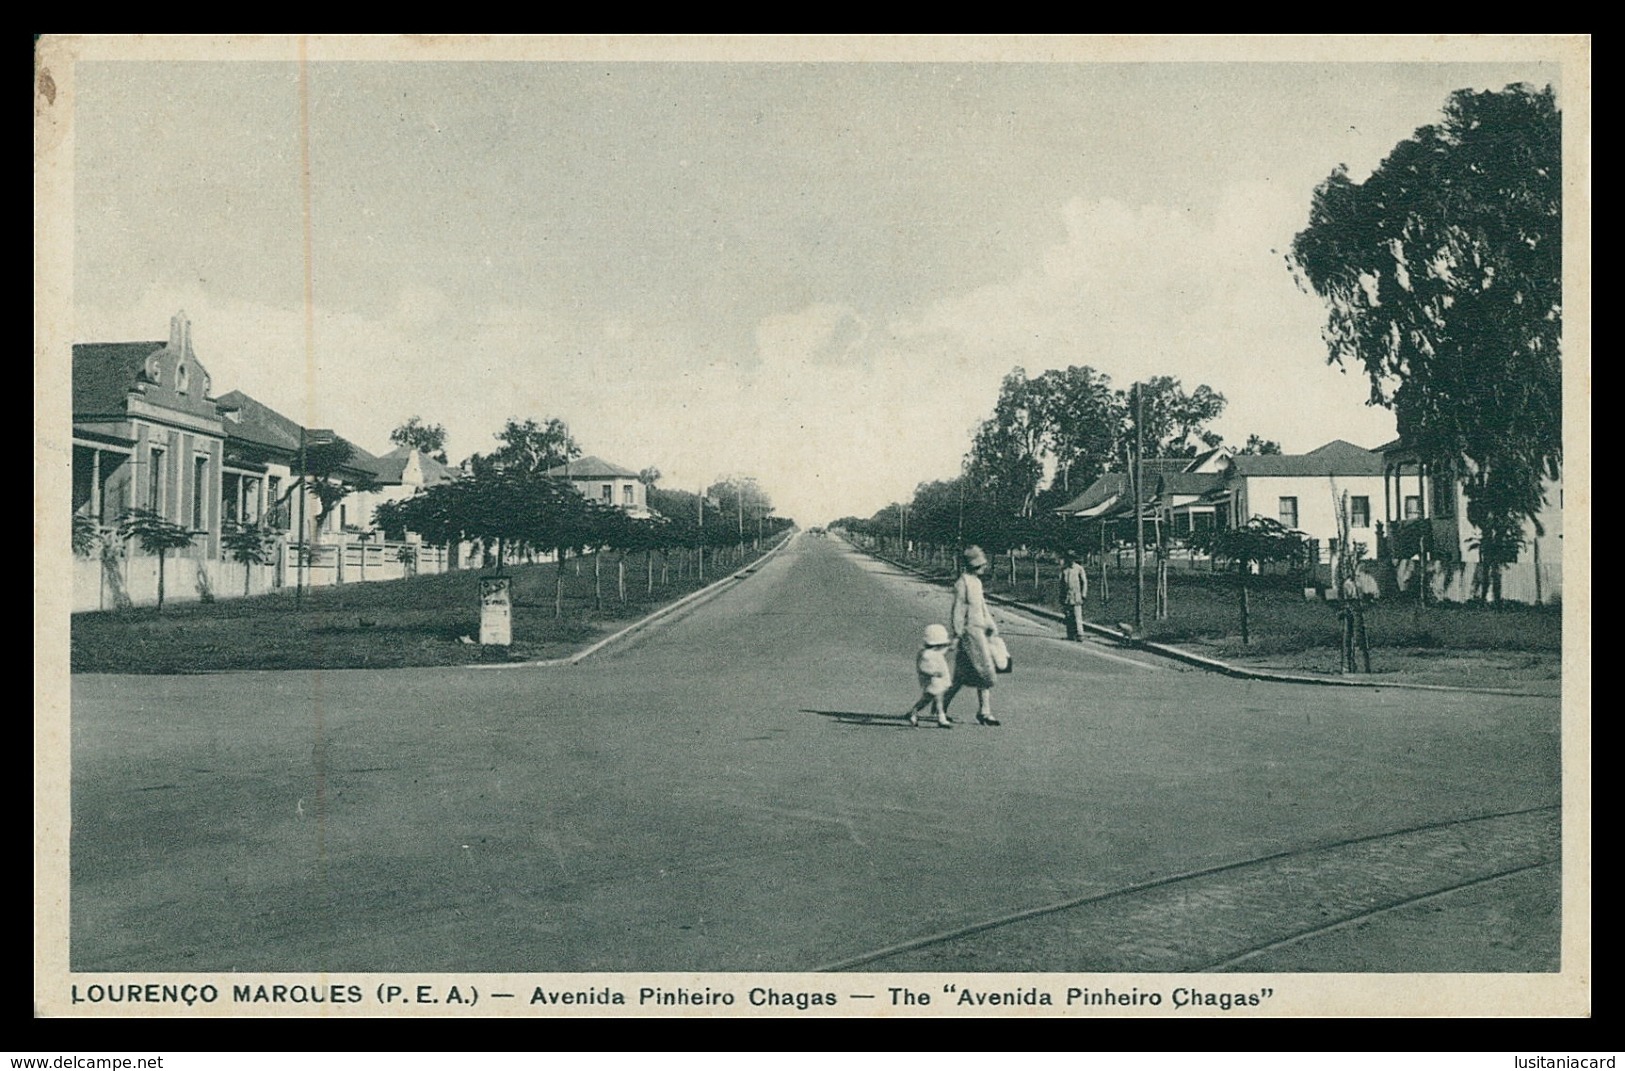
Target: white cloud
x: 1154, y: 290
x: 820, y: 334
x: 832, y: 413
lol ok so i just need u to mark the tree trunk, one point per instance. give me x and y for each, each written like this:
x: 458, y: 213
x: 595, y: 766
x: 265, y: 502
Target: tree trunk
x: 1241, y: 566
x: 558, y: 585
x: 1345, y: 654
x: 161, y: 556
x: 620, y: 577
x: 597, y: 580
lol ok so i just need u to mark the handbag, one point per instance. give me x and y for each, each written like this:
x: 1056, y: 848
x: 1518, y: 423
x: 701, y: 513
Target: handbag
x: 1002, y: 662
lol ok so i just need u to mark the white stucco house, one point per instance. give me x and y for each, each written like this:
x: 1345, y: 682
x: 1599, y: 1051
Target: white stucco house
x: 607, y: 483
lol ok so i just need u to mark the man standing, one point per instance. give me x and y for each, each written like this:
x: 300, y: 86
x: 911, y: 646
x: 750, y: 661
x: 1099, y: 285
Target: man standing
x: 1074, y: 589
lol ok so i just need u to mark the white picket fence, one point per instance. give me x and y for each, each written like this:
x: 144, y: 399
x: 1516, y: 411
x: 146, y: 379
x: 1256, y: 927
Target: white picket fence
x: 131, y: 579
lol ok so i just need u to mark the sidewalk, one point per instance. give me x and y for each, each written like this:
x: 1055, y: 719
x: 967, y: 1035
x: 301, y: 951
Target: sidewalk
x: 1460, y: 665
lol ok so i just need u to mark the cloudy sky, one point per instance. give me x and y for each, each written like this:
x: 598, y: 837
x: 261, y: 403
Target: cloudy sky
x: 812, y: 273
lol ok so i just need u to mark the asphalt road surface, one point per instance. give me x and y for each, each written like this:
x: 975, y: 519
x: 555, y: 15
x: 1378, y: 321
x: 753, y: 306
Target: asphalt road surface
x: 735, y: 790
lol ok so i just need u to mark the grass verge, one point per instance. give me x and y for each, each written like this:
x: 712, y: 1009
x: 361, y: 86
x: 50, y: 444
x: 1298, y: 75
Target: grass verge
x: 1466, y: 644
x: 422, y: 621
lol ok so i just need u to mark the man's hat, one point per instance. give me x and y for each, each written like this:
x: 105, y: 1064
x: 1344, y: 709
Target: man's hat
x: 974, y: 558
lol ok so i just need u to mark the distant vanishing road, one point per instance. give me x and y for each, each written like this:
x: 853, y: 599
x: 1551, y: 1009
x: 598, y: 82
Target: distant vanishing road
x: 734, y: 790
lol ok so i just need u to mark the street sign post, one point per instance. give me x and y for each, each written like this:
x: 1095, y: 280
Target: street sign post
x: 496, y: 611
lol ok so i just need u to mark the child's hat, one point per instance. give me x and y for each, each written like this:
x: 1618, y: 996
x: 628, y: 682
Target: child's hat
x: 935, y: 636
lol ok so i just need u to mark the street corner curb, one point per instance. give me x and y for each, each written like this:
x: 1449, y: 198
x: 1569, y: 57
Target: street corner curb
x: 1213, y: 665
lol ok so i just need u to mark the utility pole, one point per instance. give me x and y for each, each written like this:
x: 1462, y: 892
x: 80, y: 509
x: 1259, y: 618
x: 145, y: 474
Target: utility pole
x: 702, y: 535
x: 1139, y: 514
x: 301, y: 550
x: 961, y: 532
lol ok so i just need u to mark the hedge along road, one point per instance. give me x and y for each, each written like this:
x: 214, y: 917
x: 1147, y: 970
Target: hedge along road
x: 734, y: 789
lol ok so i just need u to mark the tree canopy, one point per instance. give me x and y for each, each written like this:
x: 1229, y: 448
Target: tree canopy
x: 1442, y: 277
x: 1258, y: 445
x: 1070, y: 422
x: 429, y: 438
x: 1174, y: 423
x: 529, y: 447
x: 736, y: 495
x: 324, y: 466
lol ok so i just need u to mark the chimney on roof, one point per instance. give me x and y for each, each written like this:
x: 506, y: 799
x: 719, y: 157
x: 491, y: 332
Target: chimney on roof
x: 180, y: 334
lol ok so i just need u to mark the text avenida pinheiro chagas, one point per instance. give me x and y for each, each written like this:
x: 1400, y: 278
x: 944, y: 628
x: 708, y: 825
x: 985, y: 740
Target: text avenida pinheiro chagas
x: 469, y: 995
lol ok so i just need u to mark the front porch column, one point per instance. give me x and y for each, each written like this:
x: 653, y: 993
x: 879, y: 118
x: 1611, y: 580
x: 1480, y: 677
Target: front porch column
x: 96, y: 485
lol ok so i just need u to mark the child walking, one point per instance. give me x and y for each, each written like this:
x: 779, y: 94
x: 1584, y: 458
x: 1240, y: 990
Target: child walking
x: 932, y: 666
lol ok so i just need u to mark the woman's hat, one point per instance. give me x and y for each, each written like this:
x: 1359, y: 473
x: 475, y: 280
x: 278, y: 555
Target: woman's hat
x: 974, y: 558
x: 935, y: 636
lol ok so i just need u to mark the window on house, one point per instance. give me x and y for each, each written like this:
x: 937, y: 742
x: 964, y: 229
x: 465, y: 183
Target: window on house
x: 1443, y: 489
x: 279, y: 509
x: 1413, y: 507
x: 1289, y: 511
x: 607, y: 492
x: 200, y: 480
x: 627, y: 498
x: 1359, y: 511
x: 155, y: 482
x: 180, y: 378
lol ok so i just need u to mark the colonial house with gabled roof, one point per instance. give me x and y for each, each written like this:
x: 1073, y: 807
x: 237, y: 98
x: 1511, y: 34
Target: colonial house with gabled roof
x: 402, y: 471
x: 1107, y: 499
x: 607, y: 483
x: 262, y: 442
x: 1307, y: 492
x: 146, y: 435
x: 1219, y: 489
x: 1425, y: 504
x: 149, y: 434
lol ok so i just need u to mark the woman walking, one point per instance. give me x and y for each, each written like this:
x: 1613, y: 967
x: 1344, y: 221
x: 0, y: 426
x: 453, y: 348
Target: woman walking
x: 972, y: 626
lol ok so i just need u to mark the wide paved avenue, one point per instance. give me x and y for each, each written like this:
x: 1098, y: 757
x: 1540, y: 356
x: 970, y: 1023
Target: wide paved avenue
x: 734, y: 789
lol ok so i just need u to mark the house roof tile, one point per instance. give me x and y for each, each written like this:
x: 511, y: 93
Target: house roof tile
x: 591, y: 467
x: 105, y: 372
x: 1105, y: 487
x: 1336, y: 458
x: 1191, y: 483
x: 392, y: 466
x: 257, y: 422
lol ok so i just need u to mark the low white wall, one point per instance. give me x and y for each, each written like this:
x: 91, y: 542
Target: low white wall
x: 1524, y: 582
x: 111, y: 584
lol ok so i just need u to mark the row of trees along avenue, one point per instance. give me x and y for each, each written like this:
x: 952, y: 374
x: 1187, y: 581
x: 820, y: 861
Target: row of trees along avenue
x: 1071, y: 424
x: 506, y: 501
x: 1441, y: 274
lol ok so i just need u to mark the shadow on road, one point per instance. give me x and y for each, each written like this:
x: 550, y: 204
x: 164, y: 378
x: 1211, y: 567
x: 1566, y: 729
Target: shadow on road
x: 854, y: 717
